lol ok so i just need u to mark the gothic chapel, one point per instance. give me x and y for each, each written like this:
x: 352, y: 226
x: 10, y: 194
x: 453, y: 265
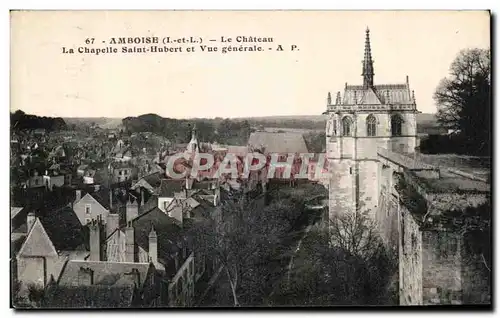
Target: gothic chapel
x: 363, y: 121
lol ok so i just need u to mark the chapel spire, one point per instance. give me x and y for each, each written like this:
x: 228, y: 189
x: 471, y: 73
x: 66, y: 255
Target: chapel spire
x: 368, y: 63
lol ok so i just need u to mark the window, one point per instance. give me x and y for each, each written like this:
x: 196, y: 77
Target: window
x: 346, y: 126
x: 396, y: 123
x: 88, y: 221
x: 87, y: 209
x: 371, y: 126
x: 126, y: 172
x: 335, y: 127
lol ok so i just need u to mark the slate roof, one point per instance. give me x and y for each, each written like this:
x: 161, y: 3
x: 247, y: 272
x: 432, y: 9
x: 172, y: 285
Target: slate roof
x: 113, y: 285
x: 105, y: 273
x: 37, y: 243
x: 379, y: 94
x: 169, y: 187
x: 64, y: 229
x: 14, y: 211
x: 204, y: 208
x: 153, y: 179
x: 169, y: 233
x: 149, y: 205
x: 205, y: 184
x: 102, y: 196
x: 58, y: 297
x: 278, y: 142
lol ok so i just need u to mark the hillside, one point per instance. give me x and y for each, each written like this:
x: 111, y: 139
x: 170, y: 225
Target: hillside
x: 103, y: 122
x: 425, y: 121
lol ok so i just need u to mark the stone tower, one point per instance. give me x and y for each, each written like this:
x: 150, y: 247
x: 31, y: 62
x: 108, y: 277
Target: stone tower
x: 364, y: 119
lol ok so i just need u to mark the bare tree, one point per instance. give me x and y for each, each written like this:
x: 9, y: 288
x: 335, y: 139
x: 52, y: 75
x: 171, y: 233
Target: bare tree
x: 239, y: 235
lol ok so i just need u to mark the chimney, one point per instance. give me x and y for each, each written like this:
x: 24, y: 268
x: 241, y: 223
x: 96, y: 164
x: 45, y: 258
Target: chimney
x: 176, y: 259
x: 112, y: 223
x: 153, y: 246
x: 132, y: 209
x: 217, y: 196
x: 110, y: 199
x: 177, y: 210
x: 30, y: 220
x: 95, y: 240
x: 129, y: 243
x: 188, y: 183
x: 78, y: 195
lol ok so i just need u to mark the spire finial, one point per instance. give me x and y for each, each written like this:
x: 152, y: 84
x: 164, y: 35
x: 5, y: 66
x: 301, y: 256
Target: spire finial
x: 368, y: 72
x: 193, y: 131
x: 337, y: 101
x: 152, y: 232
x: 413, y: 95
x: 329, y: 98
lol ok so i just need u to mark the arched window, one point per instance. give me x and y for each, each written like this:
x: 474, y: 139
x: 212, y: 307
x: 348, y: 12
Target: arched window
x: 371, y: 125
x: 346, y: 126
x: 396, y: 123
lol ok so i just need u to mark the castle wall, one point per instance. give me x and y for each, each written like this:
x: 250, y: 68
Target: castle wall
x: 441, y: 268
x: 410, y: 260
x: 368, y: 190
x: 476, y: 280
x: 342, y: 187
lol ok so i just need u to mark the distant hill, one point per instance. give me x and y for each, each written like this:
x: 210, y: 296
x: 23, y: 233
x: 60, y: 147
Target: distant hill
x: 422, y: 117
x: 425, y: 122
x: 103, y: 122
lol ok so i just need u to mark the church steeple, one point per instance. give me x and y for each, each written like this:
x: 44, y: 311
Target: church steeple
x: 368, y: 63
x: 193, y: 146
x: 193, y: 132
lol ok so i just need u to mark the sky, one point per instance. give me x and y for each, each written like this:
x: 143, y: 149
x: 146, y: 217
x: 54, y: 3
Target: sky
x: 46, y: 82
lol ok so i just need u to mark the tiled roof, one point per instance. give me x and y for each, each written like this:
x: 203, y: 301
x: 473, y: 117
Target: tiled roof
x: 278, y: 142
x: 105, y: 273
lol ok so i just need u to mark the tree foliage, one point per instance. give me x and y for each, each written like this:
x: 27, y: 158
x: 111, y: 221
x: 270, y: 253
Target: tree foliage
x: 224, y: 131
x: 22, y: 121
x: 464, y: 100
